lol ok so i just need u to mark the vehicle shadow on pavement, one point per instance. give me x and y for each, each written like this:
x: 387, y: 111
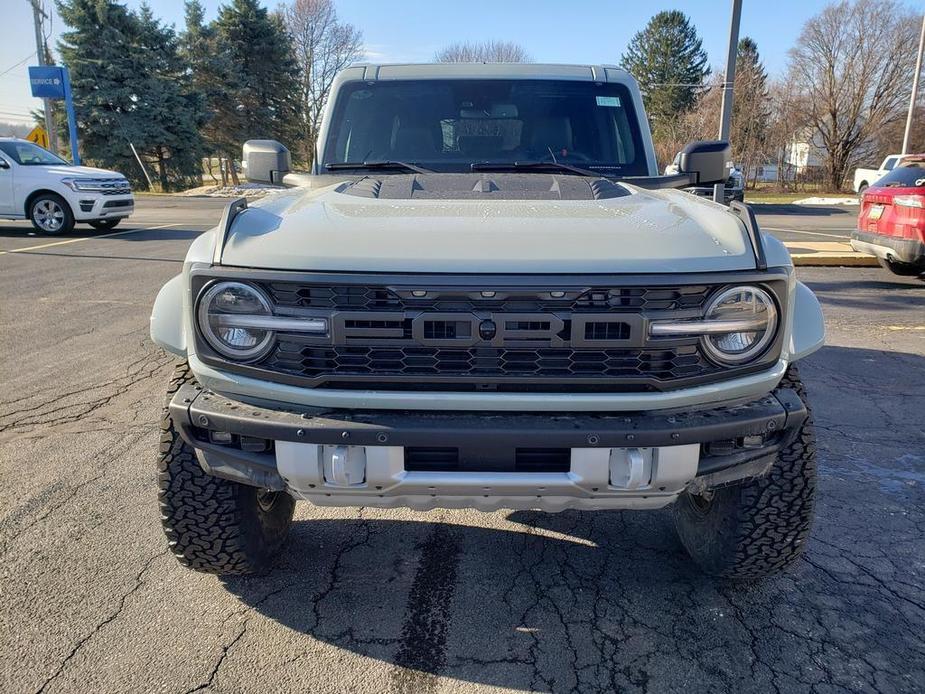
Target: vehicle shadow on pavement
x: 136, y: 232
x: 781, y: 208
x: 908, y: 291
x: 609, y: 601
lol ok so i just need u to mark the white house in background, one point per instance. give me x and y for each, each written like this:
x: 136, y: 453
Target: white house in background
x: 806, y: 151
x: 766, y: 172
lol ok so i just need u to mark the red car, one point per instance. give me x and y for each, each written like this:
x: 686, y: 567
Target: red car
x: 891, y: 224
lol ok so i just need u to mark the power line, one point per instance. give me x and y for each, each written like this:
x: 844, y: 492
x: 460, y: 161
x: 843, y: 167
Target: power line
x: 10, y: 69
x: 16, y: 119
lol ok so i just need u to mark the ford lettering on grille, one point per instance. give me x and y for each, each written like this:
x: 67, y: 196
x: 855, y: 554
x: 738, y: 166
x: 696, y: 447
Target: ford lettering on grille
x: 464, y: 329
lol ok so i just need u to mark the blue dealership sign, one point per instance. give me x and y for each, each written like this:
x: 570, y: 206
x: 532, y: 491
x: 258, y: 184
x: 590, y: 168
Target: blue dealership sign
x: 53, y: 82
x: 47, y: 81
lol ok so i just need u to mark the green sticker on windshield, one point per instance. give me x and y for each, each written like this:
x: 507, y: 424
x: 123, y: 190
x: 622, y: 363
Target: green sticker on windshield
x: 609, y: 101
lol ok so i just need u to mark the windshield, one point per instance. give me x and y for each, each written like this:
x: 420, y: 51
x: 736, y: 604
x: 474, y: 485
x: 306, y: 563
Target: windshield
x: 448, y: 125
x: 27, y: 154
x: 906, y: 175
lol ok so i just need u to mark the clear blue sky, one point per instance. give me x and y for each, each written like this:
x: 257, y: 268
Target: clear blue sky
x: 567, y: 31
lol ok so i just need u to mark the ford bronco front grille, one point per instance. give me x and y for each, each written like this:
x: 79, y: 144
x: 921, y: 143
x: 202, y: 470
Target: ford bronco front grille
x: 489, y: 334
x: 373, y: 298
x: 645, y: 367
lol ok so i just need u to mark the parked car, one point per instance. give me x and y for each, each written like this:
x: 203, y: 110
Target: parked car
x: 53, y: 194
x: 484, y: 296
x: 864, y: 178
x: 734, y: 189
x: 891, y: 223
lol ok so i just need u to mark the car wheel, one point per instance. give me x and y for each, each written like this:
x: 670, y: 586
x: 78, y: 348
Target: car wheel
x: 757, y: 527
x: 105, y: 223
x: 50, y: 214
x: 901, y: 269
x: 212, y: 524
x: 861, y: 189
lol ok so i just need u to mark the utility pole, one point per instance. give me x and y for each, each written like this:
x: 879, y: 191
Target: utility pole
x: 38, y: 14
x: 725, y: 115
x: 915, y: 90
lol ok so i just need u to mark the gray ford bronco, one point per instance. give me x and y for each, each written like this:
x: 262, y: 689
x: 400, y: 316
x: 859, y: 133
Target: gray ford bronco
x: 484, y: 296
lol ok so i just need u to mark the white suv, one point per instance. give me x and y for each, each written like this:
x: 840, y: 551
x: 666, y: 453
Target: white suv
x: 53, y: 194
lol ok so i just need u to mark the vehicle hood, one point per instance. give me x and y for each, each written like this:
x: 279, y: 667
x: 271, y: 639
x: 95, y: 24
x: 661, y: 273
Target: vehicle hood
x: 78, y: 171
x: 498, y: 223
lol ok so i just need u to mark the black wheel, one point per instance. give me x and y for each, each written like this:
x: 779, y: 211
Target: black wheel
x: 50, y: 214
x: 901, y: 269
x: 758, y: 527
x: 861, y: 189
x: 105, y: 223
x: 212, y: 524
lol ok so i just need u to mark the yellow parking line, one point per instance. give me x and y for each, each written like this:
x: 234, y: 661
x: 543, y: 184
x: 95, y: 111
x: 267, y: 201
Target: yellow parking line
x: 87, y: 238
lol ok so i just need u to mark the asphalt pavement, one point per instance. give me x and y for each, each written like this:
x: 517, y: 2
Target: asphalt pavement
x: 368, y: 600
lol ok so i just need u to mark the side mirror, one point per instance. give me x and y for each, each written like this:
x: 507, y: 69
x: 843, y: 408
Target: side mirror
x: 709, y: 161
x: 266, y: 161
x: 4, y: 164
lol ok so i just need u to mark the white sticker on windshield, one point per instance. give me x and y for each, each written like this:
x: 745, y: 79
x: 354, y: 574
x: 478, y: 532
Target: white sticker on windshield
x: 609, y: 101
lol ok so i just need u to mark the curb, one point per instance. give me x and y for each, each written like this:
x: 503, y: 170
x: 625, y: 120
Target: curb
x: 834, y: 260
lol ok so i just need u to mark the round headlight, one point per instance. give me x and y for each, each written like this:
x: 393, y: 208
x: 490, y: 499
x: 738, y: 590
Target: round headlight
x: 752, y: 306
x: 224, y: 312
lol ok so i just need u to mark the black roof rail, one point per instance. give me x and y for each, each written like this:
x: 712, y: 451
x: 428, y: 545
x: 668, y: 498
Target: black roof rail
x: 235, y: 207
x: 747, y: 215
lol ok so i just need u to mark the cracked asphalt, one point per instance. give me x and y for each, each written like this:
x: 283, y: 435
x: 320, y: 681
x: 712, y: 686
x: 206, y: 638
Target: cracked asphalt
x: 368, y: 600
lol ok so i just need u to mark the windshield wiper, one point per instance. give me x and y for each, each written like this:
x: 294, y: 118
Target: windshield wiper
x: 373, y: 165
x: 533, y: 165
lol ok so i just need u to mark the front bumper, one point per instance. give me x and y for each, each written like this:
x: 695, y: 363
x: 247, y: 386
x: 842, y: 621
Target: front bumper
x: 911, y: 251
x: 89, y: 206
x: 361, y: 458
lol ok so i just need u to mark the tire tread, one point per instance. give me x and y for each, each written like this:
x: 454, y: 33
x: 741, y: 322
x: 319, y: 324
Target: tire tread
x: 209, y: 521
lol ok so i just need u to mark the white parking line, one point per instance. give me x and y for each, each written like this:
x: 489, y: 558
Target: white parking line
x: 88, y: 238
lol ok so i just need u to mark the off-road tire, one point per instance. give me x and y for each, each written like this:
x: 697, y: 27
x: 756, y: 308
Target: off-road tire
x: 214, y: 525
x: 901, y: 269
x: 758, y: 527
x: 103, y: 224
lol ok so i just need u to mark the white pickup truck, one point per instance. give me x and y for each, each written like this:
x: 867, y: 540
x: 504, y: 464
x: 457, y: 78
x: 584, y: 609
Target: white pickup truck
x: 863, y: 178
x: 53, y: 194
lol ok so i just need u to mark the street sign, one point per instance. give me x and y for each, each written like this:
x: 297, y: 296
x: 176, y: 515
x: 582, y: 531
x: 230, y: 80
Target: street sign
x: 39, y: 137
x: 47, y: 81
x: 53, y: 82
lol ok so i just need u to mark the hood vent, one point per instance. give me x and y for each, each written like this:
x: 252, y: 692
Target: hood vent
x: 481, y: 186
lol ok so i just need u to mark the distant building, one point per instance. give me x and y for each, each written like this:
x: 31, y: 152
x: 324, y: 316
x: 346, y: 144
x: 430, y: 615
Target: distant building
x: 765, y: 172
x: 805, y: 152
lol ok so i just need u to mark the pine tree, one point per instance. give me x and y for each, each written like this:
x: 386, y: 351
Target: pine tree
x: 210, y: 71
x: 130, y: 87
x: 95, y: 50
x: 166, y: 98
x: 751, y: 108
x: 668, y: 61
x: 261, y: 78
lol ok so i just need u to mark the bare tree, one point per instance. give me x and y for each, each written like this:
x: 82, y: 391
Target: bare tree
x: 323, y: 46
x: 483, y: 52
x: 787, y: 122
x: 852, y: 66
